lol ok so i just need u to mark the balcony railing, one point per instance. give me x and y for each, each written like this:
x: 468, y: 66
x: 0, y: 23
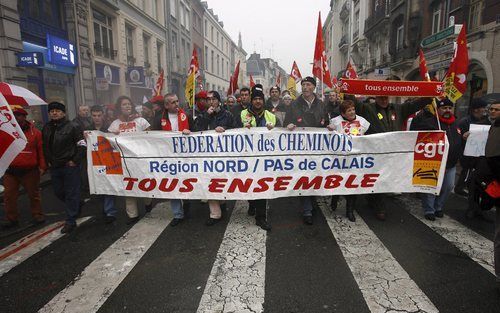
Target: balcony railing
x: 130, y: 60
x: 376, y: 17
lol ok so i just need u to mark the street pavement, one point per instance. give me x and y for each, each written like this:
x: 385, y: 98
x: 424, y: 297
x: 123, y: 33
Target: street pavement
x: 405, y: 264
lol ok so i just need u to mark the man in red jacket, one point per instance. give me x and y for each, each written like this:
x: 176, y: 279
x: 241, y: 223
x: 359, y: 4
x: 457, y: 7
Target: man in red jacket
x: 25, y: 170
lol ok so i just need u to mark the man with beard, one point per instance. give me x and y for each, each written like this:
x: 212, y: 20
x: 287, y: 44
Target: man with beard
x: 432, y: 204
x: 256, y: 116
x: 307, y: 111
x: 239, y: 107
x: 332, y: 106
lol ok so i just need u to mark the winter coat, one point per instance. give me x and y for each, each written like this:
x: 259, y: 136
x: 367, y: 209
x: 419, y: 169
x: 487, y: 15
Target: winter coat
x: 62, y: 142
x: 332, y: 109
x: 236, y: 110
x: 492, y: 151
x: 32, y: 155
x: 206, y: 121
x: 301, y: 115
x: 85, y: 123
x: 248, y: 116
x: 391, y: 118
x: 427, y: 121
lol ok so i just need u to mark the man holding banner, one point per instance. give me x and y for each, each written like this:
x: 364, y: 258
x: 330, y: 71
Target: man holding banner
x: 432, y: 204
x: 257, y: 116
x: 307, y: 111
x: 173, y: 118
x: 386, y: 117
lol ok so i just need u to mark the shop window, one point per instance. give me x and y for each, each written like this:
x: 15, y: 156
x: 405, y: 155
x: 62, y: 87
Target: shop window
x: 103, y: 35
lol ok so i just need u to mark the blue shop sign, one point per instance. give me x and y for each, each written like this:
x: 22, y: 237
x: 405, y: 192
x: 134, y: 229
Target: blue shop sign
x: 30, y: 59
x: 61, y: 51
x: 30, y: 47
x: 109, y: 72
x: 135, y: 75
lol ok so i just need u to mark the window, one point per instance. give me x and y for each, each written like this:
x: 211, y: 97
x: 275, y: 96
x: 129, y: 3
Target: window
x: 142, y: 5
x: 218, y: 42
x: 45, y: 11
x: 129, y: 37
x: 183, y: 52
x: 206, y: 29
x: 181, y: 15
x: 103, y: 35
x: 186, y: 13
x: 206, y: 58
x: 475, y: 14
x: 145, y: 41
x: 400, y: 37
x: 173, y: 8
x: 212, y: 62
x: 154, y: 9
x: 175, y: 53
x: 212, y: 34
x: 159, y: 53
x: 218, y: 65
x: 356, y: 25
x: 436, y: 20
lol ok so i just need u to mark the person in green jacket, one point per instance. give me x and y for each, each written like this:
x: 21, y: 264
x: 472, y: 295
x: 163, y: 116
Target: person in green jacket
x: 256, y: 116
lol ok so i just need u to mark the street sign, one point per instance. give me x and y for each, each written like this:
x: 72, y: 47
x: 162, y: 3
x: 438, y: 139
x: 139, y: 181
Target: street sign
x: 439, y: 51
x: 382, y: 71
x: 445, y: 33
x: 60, y: 51
x: 438, y: 65
x: 30, y: 59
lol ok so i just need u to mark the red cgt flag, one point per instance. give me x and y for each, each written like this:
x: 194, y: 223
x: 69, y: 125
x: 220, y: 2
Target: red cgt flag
x: 278, y: 80
x: 456, y: 77
x: 252, y: 83
x: 158, y: 88
x: 320, y: 67
x: 350, y: 72
x: 424, y: 73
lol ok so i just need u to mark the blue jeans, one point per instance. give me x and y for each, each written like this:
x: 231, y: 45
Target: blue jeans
x: 307, y: 205
x: 432, y: 203
x: 109, y: 205
x: 177, y: 209
x: 66, y: 184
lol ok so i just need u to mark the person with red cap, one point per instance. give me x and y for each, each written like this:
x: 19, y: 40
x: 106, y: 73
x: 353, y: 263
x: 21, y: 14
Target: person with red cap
x: 25, y: 170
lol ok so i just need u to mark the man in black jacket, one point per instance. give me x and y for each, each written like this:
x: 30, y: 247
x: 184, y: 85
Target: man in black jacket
x: 492, y: 154
x: 63, y: 148
x: 432, y: 204
x: 477, y: 115
x: 306, y: 111
x: 215, y: 115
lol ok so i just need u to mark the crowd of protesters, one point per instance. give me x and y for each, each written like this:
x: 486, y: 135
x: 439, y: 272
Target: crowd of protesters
x: 60, y: 147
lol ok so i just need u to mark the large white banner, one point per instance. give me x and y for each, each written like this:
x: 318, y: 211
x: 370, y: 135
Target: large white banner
x: 263, y: 164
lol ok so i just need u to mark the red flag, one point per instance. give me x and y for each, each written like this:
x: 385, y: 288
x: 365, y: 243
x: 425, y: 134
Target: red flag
x: 158, y: 88
x: 278, y: 80
x: 252, y: 83
x: 424, y: 73
x: 350, y: 72
x: 320, y: 67
x: 233, y: 82
x: 295, y: 72
x: 456, y: 77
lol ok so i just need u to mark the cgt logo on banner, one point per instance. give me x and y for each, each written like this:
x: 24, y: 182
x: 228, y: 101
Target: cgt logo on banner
x: 262, y: 164
x: 429, y: 153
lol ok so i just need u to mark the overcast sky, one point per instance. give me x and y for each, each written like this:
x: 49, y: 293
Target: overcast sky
x: 283, y: 30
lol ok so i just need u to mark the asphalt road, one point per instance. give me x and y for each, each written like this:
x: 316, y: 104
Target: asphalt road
x: 402, y: 264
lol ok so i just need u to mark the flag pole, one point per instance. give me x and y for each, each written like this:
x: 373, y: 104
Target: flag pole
x: 322, y: 78
x: 194, y: 97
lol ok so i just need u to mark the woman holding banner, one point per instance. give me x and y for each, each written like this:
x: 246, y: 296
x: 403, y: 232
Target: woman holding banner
x: 351, y: 124
x: 129, y: 121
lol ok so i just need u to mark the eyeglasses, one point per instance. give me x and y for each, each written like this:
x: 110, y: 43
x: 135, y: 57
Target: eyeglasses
x: 494, y: 109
